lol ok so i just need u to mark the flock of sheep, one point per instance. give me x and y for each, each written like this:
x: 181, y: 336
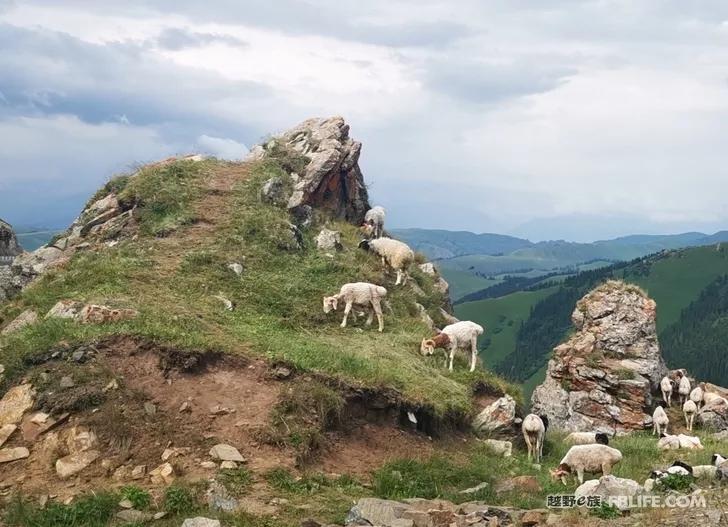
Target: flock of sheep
x: 366, y: 297
x: 589, y: 452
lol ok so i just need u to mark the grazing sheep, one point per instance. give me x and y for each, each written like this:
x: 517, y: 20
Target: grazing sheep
x: 666, y: 389
x: 373, y: 226
x: 659, y: 420
x: 689, y: 410
x: 587, y: 458
x: 394, y: 253
x: 696, y: 395
x: 586, y: 438
x: 534, y: 428
x: 721, y: 464
x: 452, y: 337
x: 678, y: 467
x: 683, y: 388
x: 358, y: 294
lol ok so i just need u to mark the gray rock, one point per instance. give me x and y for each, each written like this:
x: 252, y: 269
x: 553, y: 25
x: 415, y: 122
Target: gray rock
x: 75, y: 463
x: 273, y: 191
x: 200, y: 522
x: 500, y: 448
x: 424, y: 316
x: 16, y: 401
x: 236, y: 268
x: 714, y: 416
x: 375, y: 511
x: 218, y: 498
x: 150, y: 408
x: 66, y: 382
x: 615, y: 490
x: 133, y: 516
x: 26, y: 318
x: 225, y: 452
x: 495, y: 418
x: 327, y: 240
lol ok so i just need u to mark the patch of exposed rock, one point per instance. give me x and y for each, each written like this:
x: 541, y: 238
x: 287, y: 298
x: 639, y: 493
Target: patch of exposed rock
x: 603, y: 376
x: 9, y: 246
x: 331, y: 180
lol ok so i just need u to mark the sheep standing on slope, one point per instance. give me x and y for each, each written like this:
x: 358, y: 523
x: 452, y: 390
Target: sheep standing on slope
x: 689, y: 411
x: 452, y: 337
x: 586, y: 438
x: 360, y: 294
x: 666, y: 389
x: 659, y: 421
x: 373, y: 226
x: 534, y: 429
x: 587, y: 458
x: 394, y: 253
x: 696, y: 395
x: 683, y: 388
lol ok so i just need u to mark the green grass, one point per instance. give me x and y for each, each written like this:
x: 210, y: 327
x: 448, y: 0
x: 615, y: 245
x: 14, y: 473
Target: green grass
x: 501, y: 318
x: 93, y: 510
x: 278, y: 298
x: 236, y: 481
x: 464, y: 282
x: 179, y: 500
x: 139, y: 498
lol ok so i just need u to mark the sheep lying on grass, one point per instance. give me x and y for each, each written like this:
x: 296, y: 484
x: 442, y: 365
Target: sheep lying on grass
x: 452, y: 337
x: 593, y: 459
x: 659, y: 420
x: 666, y: 389
x: 586, y: 438
x: 394, y: 253
x: 675, y: 442
x: 373, y: 226
x: 358, y: 294
x: 689, y: 411
x: 534, y: 429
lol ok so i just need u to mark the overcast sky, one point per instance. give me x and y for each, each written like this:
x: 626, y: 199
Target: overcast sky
x: 547, y: 119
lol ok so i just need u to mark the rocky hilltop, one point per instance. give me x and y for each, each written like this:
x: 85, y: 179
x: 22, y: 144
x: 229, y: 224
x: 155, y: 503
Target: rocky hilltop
x: 9, y: 247
x: 603, y: 376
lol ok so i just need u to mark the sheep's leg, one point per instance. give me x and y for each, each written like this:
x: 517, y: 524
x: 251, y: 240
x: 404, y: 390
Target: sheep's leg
x: 473, y: 352
x: 452, y: 356
x: 692, y: 418
x: 540, y: 448
x: 654, y: 428
x: 580, y: 475
x: 347, y: 309
x: 370, y: 318
x: 606, y: 469
x: 399, y: 277
x: 528, y: 445
x: 378, y: 310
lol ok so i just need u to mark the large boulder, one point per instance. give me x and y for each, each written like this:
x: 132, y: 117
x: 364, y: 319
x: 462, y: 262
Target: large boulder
x: 613, y: 490
x: 331, y: 180
x: 714, y: 416
x: 496, y: 418
x: 603, y: 376
x: 9, y: 246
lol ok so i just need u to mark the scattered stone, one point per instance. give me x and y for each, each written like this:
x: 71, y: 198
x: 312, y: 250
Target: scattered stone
x: 75, y: 463
x: 475, y: 489
x: 273, y: 191
x: 608, y: 486
x: 236, y: 268
x: 200, y: 522
x: 425, y: 316
x: 185, y: 407
x: 79, y: 439
x: 496, y: 418
x: 39, y: 418
x: 138, y: 472
x: 16, y: 401
x: 327, y: 240
x: 225, y: 452
x: 282, y: 372
x: 133, y: 516
x: 210, y: 465
x: 126, y: 504
x: 163, y: 474
x: 375, y: 511
x: 218, y: 498
x: 113, y: 385
x: 66, y: 382
x: 218, y: 409
x: 150, y: 409
x: 6, y: 431
x: 121, y: 473
x: 65, y: 309
x: 93, y: 314
x: 26, y: 318
x: 500, y: 448
x: 159, y: 515
x: 79, y: 356
x: 13, y: 454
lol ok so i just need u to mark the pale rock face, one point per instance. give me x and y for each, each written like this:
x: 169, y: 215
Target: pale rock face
x: 16, y: 401
x: 13, y: 454
x: 610, y: 487
x: 74, y: 463
x: 225, y: 452
x: 496, y: 417
x: 714, y: 416
x: 26, y: 318
x: 328, y: 240
x: 603, y: 376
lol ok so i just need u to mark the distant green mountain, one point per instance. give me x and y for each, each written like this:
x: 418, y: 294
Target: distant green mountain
x: 439, y: 244
x: 692, y: 306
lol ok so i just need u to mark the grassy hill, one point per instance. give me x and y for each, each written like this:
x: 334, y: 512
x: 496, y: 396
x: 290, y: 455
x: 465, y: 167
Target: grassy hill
x: 674, y: 279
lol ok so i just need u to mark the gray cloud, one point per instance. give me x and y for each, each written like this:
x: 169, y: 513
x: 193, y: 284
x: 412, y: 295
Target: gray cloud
x: 175, y: 38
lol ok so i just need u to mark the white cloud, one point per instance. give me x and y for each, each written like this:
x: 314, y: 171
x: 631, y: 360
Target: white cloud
x: 221, y: 147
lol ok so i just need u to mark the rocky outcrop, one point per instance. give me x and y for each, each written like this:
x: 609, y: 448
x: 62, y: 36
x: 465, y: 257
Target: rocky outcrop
x: 9, y: 246
x: 714, y: 416
x: 603, y: 376
x: 496, y: 418
x: 613, y: 490
x: 331, y: 179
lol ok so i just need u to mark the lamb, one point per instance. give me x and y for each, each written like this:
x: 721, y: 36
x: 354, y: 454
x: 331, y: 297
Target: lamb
x: 394, y: 253
x: 587, y: 458
x: 455, y: 336
x: 666, y: 389
x: 696, y: 395
x: 586, y: 438
x: 373, y: 226
x: 683, y: 388
x: 659, y: 420
x: 534, y: 429
x: 360, y: 294
x: 689, y: 411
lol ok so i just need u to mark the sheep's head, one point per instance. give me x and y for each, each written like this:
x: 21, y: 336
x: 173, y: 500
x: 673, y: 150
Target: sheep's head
x: 364, y: 244
x: 427, y: 347
x: 602, y: 438
x: 560, y: 472
x: 367, y: 229
x: 330, y: 304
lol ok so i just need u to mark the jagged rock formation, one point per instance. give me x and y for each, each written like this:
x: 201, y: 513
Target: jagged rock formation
x: 603, y: 376
x: 331, y: 180
x: 9, y: 247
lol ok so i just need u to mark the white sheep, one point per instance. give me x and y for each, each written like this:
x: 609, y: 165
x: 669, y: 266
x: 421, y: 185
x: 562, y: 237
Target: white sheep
x: 534, y: 429
x: 684, y: 387
x: 689, y: 411
x: 675, y: 442
x: 690, y: 442
x: 373, y: 226
x: 711, y: 397
x: 586, y: 438
x: 359, y: 294
x: 721, y: 464
x: 455, y: 336
x: 696, y: 395
x: 587, y: 458
x: 394, y: 253
x: 659, y: 421
x: 666, y: 389
x: 705, y: 471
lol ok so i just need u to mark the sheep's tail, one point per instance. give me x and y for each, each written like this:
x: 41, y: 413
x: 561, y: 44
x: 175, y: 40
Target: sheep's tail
x: 381, y: 291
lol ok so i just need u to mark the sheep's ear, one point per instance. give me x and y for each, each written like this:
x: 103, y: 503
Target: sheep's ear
x: 437, y: 331
x: 364, y: 244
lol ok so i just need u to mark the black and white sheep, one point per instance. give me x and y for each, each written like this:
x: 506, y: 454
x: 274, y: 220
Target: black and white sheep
x: 534, y: 428
x: 721, y: 464
x: 373, y: 226
x: 586, y: 438
x: 394, y: 253
x: 459, y: 335
x: 355, y: 295
x: 592, y: 459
